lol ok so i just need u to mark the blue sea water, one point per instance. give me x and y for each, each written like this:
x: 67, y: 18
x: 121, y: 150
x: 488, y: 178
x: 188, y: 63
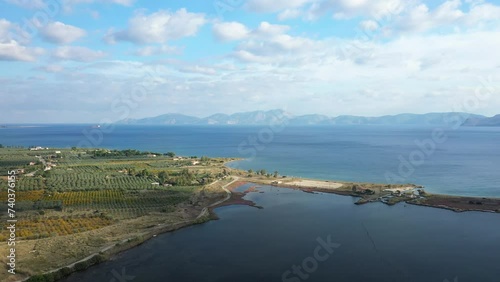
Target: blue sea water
x: 465, y: 161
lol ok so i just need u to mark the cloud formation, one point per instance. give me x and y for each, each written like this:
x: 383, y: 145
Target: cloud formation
x: 159, y: 27
x: 60, y: 33
x: 77, y: 53
x: 329, y: 57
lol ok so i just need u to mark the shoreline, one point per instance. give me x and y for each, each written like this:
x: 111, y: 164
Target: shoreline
x: 206, y: 214
x: 384, y: 193
x: 365, y: 192
x: 456, y: 203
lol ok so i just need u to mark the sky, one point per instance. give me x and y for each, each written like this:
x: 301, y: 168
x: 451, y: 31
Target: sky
x: 90, y: 61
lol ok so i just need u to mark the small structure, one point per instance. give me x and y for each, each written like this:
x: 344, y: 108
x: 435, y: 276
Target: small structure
x: 155, y: 183
x: 32, y: 163
x: 151, y: 156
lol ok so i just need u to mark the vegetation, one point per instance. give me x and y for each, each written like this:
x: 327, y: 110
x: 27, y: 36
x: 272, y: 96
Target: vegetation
x: 79, y: 190
x: 66, y: 271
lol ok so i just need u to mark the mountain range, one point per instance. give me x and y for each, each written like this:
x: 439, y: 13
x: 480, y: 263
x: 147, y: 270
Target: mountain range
x: 281, y: 116
x: 483, y: 121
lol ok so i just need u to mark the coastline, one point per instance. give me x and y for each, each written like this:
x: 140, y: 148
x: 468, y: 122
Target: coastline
x: 387, y: 194
x: 366, y: 192
x: 206, y: 214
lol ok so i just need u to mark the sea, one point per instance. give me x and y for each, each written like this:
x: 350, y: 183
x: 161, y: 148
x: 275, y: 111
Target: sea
x: 299, y: 236
x: 463, y: 161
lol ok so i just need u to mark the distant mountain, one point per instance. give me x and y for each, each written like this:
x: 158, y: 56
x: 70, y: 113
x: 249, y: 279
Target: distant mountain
x: 483, y: 121
x: 311, y: 120
x: 405, y: 119
x: 279, y: 116
x: 168, y: 119
x: 247, y: 118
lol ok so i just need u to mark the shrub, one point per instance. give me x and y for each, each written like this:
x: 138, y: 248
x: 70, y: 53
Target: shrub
x: 65, y: 271
x: 49, y: 277
x: 82, y: 266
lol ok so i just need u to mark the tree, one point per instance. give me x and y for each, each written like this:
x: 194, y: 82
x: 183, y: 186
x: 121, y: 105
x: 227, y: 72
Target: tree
x: 144, y: 173
x: 262, y: 172
x: 131, y: 171
x: 1, y: 146
x: 170, y: 154
x: 276, y: 174
x: 250, y: 171
x: 163, y: 176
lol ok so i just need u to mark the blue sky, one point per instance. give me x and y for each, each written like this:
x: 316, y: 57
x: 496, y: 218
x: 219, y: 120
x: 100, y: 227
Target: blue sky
x: 106, y: 60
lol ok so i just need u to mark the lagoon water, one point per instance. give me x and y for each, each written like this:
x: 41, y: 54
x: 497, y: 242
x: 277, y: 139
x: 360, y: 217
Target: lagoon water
x: 376, y: 242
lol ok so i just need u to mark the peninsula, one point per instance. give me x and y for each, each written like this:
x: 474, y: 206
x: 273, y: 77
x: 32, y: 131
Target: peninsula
x: 77, y: 207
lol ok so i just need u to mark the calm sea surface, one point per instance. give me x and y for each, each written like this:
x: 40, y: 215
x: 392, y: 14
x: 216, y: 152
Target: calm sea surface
x: 466, y: 163
x: 372, y: 242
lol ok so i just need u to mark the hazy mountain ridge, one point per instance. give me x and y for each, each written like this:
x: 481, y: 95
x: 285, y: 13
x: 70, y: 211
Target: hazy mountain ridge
x: 483, y: 121
x: 281, y: 116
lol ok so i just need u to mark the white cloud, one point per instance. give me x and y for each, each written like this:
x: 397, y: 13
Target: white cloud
x: 60, y: 33
x: 28, y: 4
x: 262, y: 44
x: 367, y: 8
x: 266, y: 29
x: 289, y: 14
x: 68, y: 5
x: 275, y: 5
x: 421, y: 18
x: 197, y: 69
x: 51, y: 68
x: 5, y: 29
x: 481, y: 13
x: 156, y: 50
x: 77, y: 53
x: 450, y: 13
x: 10, y: 31
x: 159, y: 27
x: 369, y: 25
x: 12, y: 38
x: 228, y: 31
x: 341, y: 9
x: 12, y: 51
x: 414, y: 73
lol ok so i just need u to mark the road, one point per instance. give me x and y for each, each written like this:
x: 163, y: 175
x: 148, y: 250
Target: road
x: 228, y: 195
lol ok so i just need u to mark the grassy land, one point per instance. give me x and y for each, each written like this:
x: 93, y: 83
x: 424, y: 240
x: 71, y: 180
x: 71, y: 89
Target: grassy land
x: 90, y: 200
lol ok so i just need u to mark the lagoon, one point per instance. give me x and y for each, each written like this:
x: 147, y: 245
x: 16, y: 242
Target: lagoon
x: 375, y: 243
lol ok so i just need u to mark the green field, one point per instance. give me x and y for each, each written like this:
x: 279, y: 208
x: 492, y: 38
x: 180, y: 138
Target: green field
x: 89, y: 189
